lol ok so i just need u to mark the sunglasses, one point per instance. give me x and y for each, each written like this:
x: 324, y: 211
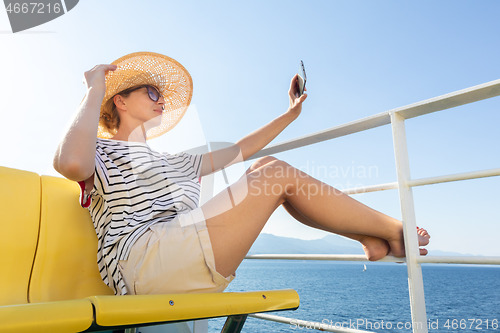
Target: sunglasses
x: 153, y: 93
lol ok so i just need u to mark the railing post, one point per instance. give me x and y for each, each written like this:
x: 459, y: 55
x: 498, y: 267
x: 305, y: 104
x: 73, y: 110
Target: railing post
x: 415, y: 281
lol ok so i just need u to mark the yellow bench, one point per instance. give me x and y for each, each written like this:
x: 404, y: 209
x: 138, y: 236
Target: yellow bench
x: 50, y: 281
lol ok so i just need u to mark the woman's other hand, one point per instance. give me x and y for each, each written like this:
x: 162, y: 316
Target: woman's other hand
x: 75, y: 155
x: 95, y: 77
x: 295, y: 100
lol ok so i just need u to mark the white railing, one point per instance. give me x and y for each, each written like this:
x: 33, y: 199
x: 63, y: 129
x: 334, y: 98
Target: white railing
x: 404, y: 184
x: 473, y: 260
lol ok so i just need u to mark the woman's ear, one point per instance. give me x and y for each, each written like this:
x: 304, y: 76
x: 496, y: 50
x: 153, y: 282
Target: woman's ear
x: 119, y: 101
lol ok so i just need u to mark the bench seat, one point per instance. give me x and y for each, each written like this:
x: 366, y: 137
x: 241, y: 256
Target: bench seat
x: 51, y: 283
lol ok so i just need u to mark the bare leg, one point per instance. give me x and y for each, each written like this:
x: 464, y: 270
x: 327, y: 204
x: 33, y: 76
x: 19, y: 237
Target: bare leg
x: 375, y: 248
x: 258, y: 193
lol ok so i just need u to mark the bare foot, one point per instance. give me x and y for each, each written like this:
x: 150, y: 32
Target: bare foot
x: 375, y: 248
x: 423, y: 236
x: 397, y: 248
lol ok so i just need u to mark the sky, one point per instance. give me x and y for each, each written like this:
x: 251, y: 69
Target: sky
x: 361, y: 58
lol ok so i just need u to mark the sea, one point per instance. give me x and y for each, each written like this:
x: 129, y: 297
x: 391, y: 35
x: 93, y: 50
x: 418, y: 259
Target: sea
x: 459, y: 298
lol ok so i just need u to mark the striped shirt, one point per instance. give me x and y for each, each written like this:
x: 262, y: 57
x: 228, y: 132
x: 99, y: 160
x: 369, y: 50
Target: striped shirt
x: 135, y: 187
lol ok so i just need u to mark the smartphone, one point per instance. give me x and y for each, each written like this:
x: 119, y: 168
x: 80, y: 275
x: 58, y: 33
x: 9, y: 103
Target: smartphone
x: 301, y: 82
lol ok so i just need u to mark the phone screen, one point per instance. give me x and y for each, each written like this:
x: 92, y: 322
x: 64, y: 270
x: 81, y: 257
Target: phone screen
x: 301, y: 82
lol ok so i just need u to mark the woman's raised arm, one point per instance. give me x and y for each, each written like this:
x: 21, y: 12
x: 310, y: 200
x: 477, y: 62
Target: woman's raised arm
x: 255, y: 141
x: 75, y: 155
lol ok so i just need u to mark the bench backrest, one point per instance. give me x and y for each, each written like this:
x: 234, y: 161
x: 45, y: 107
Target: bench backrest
x: 50, y: 244
x: 66, y: 258
x: 19, y: 223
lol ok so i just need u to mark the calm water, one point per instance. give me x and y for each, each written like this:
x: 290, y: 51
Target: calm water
x: 336, y: 292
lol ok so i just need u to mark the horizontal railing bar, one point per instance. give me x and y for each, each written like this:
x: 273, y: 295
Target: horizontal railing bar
x: 335, y: 257
x: 324, y: 135
x: 426, y: 181
x: 300, y: 324
x: 371, y: 188
x: 455, y: 177
x: 450, y: 100
x: 479, y: 260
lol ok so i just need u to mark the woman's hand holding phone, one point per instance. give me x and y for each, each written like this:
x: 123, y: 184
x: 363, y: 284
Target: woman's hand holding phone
x: 296, y: 92
x: 301, y: 80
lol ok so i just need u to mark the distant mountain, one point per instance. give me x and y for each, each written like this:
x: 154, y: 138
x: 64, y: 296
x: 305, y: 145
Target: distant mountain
x: 330, y: 244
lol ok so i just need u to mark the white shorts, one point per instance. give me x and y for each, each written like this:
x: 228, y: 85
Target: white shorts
x: 174, y: 257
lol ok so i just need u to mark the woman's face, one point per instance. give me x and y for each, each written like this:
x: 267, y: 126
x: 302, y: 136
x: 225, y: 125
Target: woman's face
x: 140, y: 108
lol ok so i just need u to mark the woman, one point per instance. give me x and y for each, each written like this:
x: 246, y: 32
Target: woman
x: 152, y: 236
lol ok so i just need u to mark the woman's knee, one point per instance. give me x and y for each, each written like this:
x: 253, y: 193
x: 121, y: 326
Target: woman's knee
x: 262, y: 161
x: 274, y: 172
x: 271, y: 167
x: 275, y: 179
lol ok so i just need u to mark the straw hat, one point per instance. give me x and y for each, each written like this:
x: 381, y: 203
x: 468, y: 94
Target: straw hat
x: 166, y: 74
